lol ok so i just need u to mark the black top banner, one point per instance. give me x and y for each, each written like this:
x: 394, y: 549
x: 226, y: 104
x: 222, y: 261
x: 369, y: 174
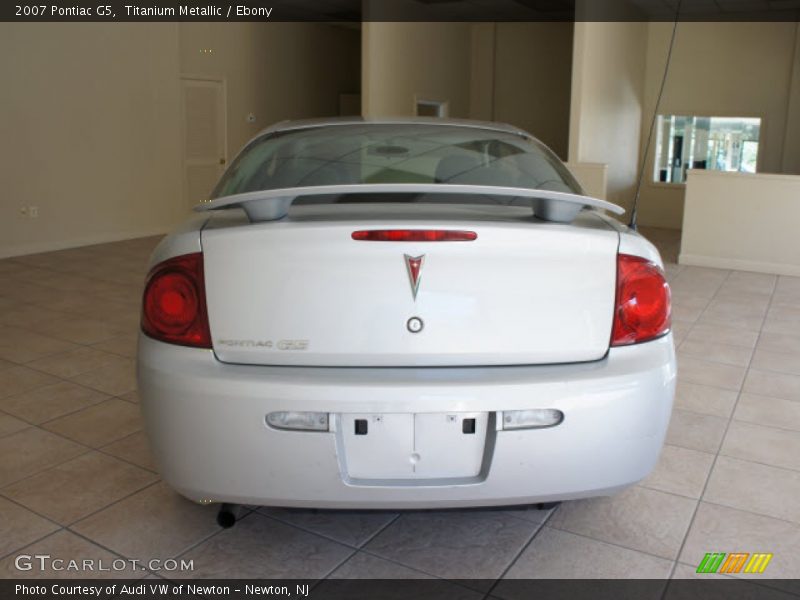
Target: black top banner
x: 403, y: 10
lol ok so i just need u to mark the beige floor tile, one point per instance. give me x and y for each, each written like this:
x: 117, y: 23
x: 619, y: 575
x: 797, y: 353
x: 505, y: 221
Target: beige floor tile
x: 704, y: 399
x: 680, y: 471
x: 695, y: 431
x: 24, y: 291
x: 721, y: 353
x: 17, y: 380
x: 367, y: 566
x: 750, y: 281
x: 785, y: 311
x: 111, y: 304
x: 680, y: 329
x: 722, y: 335
x: 61, y: 548
x: 79, y: 487
x: 785, y: 297
x: 128, y: 323
x: 20, y: 527
x: 132, y: 396
x: 353, y: 528
x: 696, y: 370
x: 765, y: 410
x: 72, y: 363
x: 115, y: 379
x: 782, y: 326
x: 9, y: 424
x: 123, y: 345
x: 135, y: 449
x: 66, y: 301
x: 20, y: 345
x: 784, y: 343
x: 50, y: 402
x: 454, y: 545
x: 731, y: 303
x: 30, y: 316
x: 766, y: 383
x: 769, y: 491
x: 690, y: 299
x: 746, y: 323
x: 100, y: 424
x: 556, y: 554
x: 681, y: 288
x: 640, y: 519
x: 788, y: 283
x: 684, y: 312
x: 31, y: 450
x: 764, y: 360
x: 77, y: 330
x: 722, y: 529
x: 262, y: 548
x: 702, y: 276
x: 766, y: 445
x: 153, y: 523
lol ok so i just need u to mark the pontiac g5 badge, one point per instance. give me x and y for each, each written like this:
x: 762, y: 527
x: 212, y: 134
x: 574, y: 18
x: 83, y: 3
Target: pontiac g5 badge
x: 414, y: 268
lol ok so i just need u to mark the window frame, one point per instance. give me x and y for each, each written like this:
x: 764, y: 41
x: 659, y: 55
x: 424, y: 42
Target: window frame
x: 650, y: 163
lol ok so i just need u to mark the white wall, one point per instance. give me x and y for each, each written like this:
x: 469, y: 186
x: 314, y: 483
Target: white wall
x: 275, y: 70
x: 608, y: 68
x: 593, y: 177
x: 517, y: 73
x: 91, y: 115
x: 89, y: 137
x: 403, y: 61
x: 742, y: 221
x: 532, y: 79
x: 724, y: 69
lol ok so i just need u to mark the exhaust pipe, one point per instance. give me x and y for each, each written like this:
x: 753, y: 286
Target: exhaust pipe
x: 227, y: 515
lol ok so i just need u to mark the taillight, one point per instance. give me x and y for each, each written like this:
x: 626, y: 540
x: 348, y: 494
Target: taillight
x: 642, y: 310
x: 414, y: 235
x: 174, y: 304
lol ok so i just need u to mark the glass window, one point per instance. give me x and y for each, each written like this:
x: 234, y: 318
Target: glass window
x: 394, y: 153
x: 718, y: 143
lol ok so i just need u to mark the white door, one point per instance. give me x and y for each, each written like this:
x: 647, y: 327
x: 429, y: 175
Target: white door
x: 204, y: 132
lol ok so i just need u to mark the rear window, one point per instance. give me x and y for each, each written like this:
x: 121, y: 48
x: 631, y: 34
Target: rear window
x: 394, y: 153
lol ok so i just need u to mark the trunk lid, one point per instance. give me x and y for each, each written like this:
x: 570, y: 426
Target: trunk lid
x: 303, y: 292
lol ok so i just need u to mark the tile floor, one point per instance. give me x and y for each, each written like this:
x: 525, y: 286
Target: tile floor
x: 76, y: 478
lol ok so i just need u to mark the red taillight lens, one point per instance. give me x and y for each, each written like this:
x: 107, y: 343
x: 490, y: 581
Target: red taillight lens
x: 174, y: 304
x: 642, y: 310
x: 414, y: 235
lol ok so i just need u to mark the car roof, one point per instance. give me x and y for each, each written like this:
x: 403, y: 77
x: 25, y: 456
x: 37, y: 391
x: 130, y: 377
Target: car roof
x: 329, y: 121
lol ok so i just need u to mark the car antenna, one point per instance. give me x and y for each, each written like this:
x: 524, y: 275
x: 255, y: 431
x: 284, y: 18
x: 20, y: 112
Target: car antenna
x: 634, y: 210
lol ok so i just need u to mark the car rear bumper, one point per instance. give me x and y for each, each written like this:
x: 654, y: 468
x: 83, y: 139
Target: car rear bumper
x: 206, y: 423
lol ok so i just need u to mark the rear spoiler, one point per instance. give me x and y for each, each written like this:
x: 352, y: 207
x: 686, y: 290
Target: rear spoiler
x: 271, y: 205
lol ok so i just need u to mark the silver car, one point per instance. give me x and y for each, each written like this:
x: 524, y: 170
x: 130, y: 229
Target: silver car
x: 404, y: 314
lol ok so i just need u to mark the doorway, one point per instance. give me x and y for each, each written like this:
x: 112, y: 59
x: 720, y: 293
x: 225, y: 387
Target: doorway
x: 204, y: 136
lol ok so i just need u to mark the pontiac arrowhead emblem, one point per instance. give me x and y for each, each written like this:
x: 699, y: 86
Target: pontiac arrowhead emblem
x: 414, y: 268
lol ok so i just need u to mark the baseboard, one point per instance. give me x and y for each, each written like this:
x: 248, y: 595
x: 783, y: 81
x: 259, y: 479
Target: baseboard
x: 52, y: 246
x: 698, y: 260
